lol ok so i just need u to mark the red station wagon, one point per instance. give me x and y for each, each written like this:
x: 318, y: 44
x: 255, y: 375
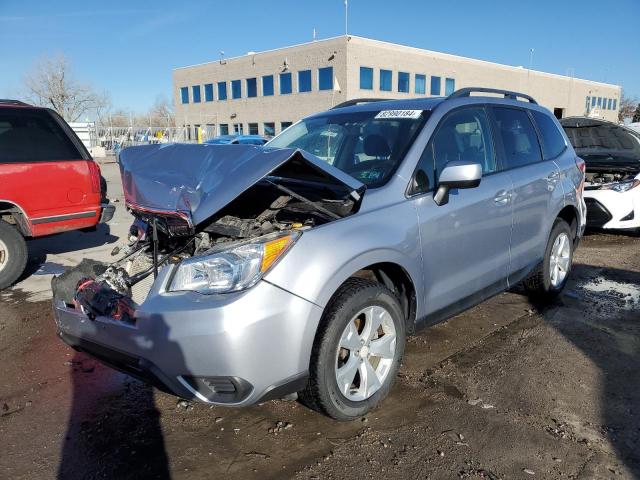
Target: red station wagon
x: 48, y: 183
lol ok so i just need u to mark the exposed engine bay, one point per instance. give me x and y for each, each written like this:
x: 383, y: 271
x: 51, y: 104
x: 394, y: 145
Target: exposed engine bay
x: 598, y: 179
x: 154, y: 241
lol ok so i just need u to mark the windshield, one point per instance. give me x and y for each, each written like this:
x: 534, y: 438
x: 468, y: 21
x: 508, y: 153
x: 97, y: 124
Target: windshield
x: 368, y: 145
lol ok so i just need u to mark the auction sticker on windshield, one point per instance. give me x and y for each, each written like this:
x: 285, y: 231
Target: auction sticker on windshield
x: 398, y: 114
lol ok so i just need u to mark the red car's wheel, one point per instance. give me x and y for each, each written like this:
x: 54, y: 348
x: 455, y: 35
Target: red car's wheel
x: 13, y: 254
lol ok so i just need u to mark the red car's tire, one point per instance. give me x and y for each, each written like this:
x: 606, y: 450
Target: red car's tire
x: 13, y: 254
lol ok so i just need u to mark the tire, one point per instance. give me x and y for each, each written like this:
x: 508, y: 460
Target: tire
x: 540, y: 284
x: 352, y: 307
x: 13, y: 254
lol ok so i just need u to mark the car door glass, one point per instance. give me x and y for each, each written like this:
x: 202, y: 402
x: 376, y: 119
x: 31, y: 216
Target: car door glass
x: 518, y: 137
x: 463, y: 135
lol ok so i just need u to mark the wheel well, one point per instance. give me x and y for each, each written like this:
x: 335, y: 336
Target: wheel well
x: 570, y: 215
x: 12, y: 214
x: 396, y: 279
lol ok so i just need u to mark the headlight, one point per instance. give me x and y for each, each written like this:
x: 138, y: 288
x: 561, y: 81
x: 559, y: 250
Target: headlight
x: 231, y: 267
x: 624, y: 186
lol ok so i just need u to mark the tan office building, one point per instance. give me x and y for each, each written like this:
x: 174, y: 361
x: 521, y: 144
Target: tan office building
x: 263, y: 93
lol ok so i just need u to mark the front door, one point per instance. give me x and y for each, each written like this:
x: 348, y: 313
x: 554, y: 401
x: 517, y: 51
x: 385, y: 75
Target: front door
x: 465, y: 242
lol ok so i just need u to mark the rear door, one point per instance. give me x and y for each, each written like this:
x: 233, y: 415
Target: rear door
x: 46, y: 171
x: 536, y: 186
x: 465, y: 242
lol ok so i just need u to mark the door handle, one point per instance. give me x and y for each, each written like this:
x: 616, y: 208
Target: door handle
x: 502, y: 197
x: 553, y: 176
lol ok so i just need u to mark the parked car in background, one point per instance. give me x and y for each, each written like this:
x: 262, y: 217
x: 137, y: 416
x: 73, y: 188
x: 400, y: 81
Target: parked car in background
x: 612, y: 156
x: 48, y: 183
x: 257, y: 272
x: 237, y: 140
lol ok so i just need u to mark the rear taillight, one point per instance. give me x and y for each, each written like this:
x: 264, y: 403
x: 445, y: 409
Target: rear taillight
x: 583, y: 169
x: 94, y: 173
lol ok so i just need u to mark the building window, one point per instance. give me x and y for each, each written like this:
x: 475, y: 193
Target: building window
x: 267, y: 85
x: 222, y: 91
x: 184, y: 94
x: 224, y: 129
x: 269, y: 129
x: 599, y: 102
x: 403, y: 82
x: 236, y: 89
x: 304, y: 81
x: 285, y: 83
x: 449, y: 86
x: 366, y: 78
x: 195, y: 92
x: 325, y: 78
x: 385, y: 80
x: 237, y: 128
x: 610, y: 104
x: 253, y: 129
x: 615, y: 103
x: 435, y: 85
x: 208, y: 92
x: 252, y: 87
x: 586, y: 104
x: 420, y: 84
x: 284, y: 126
x: 593, y: 101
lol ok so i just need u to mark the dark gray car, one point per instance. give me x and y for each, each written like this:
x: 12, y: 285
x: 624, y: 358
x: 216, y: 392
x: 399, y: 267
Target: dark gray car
x: 301, y: 266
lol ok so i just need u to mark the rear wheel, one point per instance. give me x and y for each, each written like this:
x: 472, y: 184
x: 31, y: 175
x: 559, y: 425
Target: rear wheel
x: 357, y: 352
x: 551, y: 276
x: 13, y: 254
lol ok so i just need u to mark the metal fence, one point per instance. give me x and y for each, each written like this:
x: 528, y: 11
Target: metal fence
x: 114, y: 139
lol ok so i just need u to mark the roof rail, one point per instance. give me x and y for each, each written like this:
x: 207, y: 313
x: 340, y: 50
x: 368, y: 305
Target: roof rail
x: 358, y: 101
x: 8, y: 101
x: 466, y: 92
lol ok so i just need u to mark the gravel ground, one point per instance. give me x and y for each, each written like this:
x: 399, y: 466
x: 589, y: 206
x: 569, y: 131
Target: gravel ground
x: 506, y: 390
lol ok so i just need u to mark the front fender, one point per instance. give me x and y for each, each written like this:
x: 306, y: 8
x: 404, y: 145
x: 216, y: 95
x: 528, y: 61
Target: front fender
x: 324, y: 257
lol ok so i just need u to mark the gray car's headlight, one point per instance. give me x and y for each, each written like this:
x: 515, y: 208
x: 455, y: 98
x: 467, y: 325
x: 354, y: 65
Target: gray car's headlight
x: 231, y: 267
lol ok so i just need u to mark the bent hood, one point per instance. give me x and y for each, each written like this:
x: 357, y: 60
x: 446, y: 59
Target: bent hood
x: 196, y: 181
x: 602, y: 143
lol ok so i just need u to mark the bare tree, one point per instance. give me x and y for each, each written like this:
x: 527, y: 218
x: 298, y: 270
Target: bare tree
x: 50, y: 83
x: 627, y: 106
x: 161, y: 113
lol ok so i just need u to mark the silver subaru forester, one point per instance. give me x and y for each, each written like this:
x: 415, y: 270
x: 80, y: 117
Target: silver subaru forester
x: 254, y: 273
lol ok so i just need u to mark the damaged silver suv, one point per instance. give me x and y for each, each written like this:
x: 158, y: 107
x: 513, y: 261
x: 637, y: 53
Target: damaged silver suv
x: 253, y: 273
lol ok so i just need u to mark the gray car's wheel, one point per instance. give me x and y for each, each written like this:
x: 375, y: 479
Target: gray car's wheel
x: 548, y: 280
x: 13, y: 254
x: 357, y: 351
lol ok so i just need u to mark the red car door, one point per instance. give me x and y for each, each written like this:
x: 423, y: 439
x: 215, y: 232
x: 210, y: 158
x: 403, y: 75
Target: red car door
x: 46, y: 171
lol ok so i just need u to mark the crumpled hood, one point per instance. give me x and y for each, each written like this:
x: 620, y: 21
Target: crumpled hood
x: 195, y: 181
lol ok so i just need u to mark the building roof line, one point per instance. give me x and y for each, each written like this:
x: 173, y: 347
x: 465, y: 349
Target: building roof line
x: 417, y: 49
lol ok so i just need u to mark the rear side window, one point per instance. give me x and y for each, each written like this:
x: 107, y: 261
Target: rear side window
x: 518, y: 137
x: 33, y: 136
x: 553, y: 143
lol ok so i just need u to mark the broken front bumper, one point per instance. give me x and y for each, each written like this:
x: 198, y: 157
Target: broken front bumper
x: 232, y: 349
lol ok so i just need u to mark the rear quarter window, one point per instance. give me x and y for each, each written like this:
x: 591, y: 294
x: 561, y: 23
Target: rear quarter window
x: 33, y: 136
x: 553, y: 143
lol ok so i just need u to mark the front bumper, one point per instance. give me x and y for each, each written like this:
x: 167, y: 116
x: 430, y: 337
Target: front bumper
x: 609, y: 209
x: 232, y: 349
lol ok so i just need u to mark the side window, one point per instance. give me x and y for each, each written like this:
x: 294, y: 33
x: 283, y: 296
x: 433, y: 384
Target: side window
x: 463, y: 135
x: 518, y: 137
x: 553, y: 143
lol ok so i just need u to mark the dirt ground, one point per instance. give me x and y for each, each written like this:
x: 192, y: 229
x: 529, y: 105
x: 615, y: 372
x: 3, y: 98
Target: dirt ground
x: 506, y: 390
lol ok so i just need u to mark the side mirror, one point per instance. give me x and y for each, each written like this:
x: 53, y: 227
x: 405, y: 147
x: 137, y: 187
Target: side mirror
x: 457, y: 175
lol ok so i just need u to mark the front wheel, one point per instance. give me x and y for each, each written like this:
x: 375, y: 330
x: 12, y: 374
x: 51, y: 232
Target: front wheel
x: 13, y: 254
x: 548, y: 280
x: 357, y: 352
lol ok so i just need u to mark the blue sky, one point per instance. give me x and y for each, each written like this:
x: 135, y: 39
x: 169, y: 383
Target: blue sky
x: 129, y: 48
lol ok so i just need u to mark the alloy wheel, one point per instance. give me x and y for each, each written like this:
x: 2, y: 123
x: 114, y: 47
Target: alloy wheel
x: 365, y: 353
x: 4, y: 255
x: 560, y: 259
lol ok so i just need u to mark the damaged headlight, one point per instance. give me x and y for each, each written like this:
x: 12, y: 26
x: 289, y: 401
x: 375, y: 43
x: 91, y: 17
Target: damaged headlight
x: 623, y: 186
x: 233, y: 266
